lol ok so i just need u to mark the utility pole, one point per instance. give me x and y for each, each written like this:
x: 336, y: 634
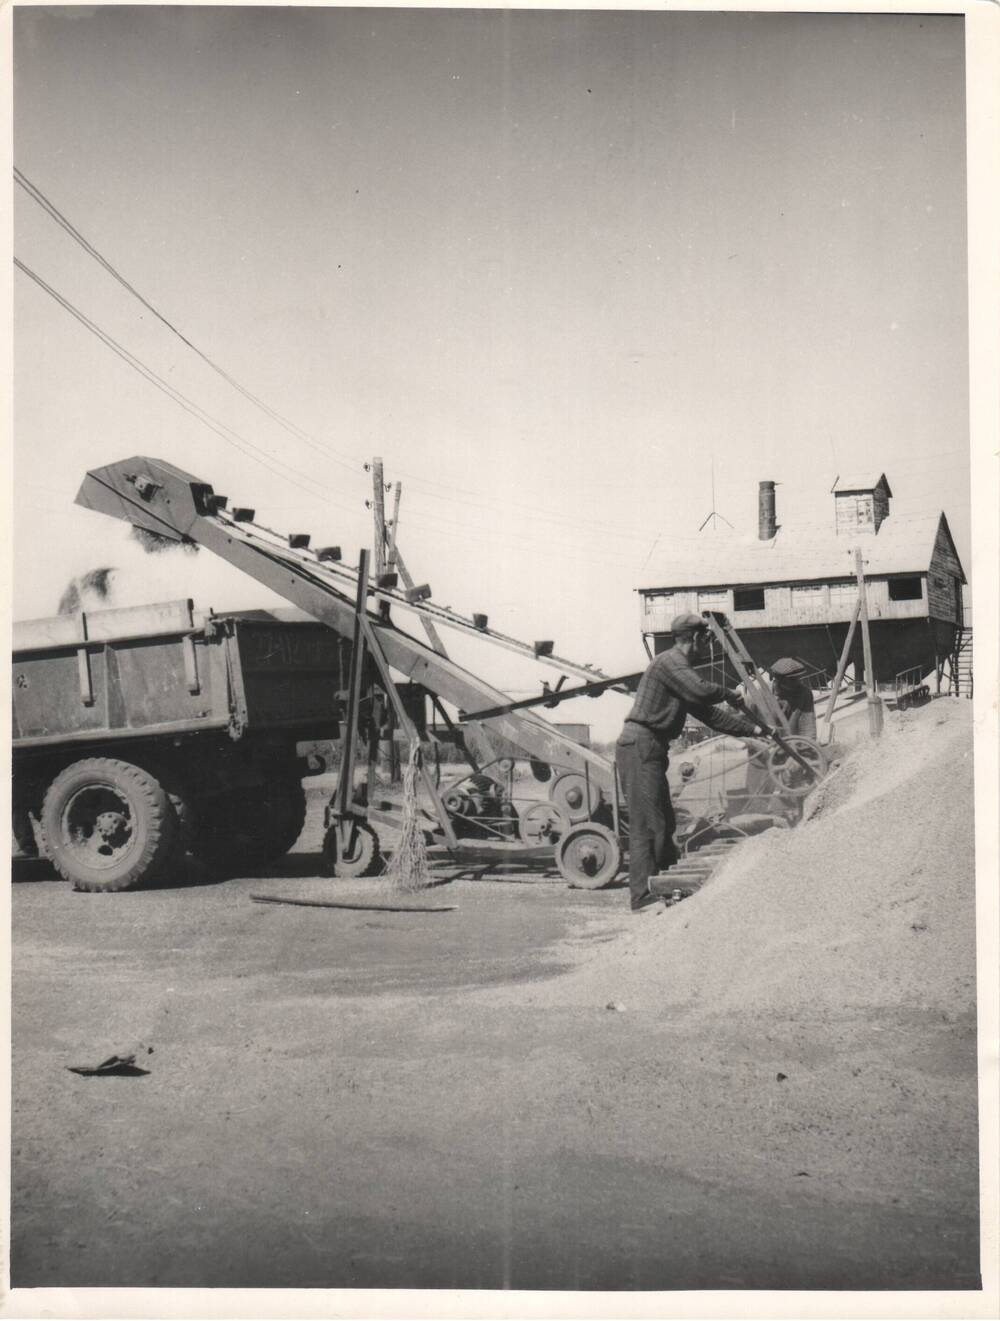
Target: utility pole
x: 378, y: 510
x: 874, y: 701
x: 397, y: 491
x: 845, y: 657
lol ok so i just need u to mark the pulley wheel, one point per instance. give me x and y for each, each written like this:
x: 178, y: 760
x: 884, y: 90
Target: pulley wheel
x: 457, y: 802
x: 588, y: 856
x: 542, y: 823
x: 788, y: 776
x: 569, y: 791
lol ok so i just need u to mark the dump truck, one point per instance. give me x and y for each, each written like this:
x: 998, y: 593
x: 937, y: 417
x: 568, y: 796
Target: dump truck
x: 145, y: 732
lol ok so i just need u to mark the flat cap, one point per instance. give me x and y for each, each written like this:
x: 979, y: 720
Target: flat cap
x: 788, y: 668
x: 686, y: 623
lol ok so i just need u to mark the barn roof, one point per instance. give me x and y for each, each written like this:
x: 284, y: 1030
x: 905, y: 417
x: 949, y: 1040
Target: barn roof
x: 806, y: 554
x: 865, y: 481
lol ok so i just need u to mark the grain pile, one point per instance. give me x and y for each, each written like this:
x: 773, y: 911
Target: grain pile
x: 868, y: 904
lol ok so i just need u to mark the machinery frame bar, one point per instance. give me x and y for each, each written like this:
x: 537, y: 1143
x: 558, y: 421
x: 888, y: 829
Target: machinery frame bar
x: 620, y: 683
x: 153, y: 494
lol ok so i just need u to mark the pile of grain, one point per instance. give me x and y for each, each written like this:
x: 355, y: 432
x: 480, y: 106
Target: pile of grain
x: 868, y: 903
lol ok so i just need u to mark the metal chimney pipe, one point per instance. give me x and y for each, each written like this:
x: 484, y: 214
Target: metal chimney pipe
x: 766, y: 524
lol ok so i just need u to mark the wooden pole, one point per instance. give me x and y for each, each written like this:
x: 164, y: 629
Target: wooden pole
x: 874, y: 701
x: 845, y: 657
x: 345, y: 785
x: 395, y: 769
x: 378, y: 510
x: 397, y: 491
x: 409, y: 729
x: 433, y: 637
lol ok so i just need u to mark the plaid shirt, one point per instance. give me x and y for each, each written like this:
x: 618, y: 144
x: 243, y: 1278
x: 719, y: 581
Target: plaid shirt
x: 670, y: 688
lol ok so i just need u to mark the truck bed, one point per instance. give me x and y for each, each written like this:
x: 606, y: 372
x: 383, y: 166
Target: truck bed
x: 167, y: 669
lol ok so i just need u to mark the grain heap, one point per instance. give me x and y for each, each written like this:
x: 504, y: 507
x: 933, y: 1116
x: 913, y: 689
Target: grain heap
x: 869, y: 903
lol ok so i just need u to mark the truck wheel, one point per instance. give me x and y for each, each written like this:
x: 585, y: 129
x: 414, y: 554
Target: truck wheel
x: 108, y: 825
x: 281, y: 818
x: 243, y: 828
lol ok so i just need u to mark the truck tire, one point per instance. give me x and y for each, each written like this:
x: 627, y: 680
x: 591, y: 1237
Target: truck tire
x: 107, y: 825
x: 282, y: 816
x: 246, y: 827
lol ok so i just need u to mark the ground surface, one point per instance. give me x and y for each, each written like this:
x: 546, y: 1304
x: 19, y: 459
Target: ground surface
x: 772, y: 1084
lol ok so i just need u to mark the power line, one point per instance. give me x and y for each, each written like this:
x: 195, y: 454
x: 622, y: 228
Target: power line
x: 50, y: 208
x: 53, y: 211
x: 246, y: 447
x: 423, y: 486
x: 441, y: 526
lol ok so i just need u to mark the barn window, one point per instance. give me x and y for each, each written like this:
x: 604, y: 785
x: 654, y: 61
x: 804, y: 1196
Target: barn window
x: 905, y: 589
x: 748, y: 598
x: 713, y: 600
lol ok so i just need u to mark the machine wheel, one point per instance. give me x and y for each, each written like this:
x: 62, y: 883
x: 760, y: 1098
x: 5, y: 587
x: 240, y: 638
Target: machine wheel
x: 588, y: 856
x: 244, y: 827
x: 542, y: 823
x: 569, y: 792
x: 108, y: 825
x: 363, y: 857
x: 788, y: 776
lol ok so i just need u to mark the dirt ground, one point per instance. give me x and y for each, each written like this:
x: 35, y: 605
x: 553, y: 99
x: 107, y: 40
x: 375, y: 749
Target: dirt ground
x: 533, y: 1090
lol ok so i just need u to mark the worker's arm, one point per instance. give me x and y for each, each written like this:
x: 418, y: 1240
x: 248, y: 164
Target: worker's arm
x: 724, y: 720
x: 686, y: 683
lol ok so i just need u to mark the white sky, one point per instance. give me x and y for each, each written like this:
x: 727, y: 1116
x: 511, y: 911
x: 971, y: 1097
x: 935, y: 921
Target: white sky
x: 553, y: 267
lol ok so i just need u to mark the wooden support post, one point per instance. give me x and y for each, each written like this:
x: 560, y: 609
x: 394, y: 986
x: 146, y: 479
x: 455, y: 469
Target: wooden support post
x: 407, y: 726
x: 349, y: 743
x: 845, y: 658
x: 397, y: 491
x: 378, y: 511
x: 874, y: 701
x: 433, y: 637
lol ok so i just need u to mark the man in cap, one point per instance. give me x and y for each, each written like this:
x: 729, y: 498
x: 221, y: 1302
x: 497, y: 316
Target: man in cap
x: 795, y: 696
x: 669, y: 689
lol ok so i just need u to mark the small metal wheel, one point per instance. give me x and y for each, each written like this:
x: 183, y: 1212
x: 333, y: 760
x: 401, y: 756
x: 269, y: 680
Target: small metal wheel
x: 569, y: 792
x: 788, y: 776
x: 351, y: 848
x: 588, y: 856
x: 542, y: 823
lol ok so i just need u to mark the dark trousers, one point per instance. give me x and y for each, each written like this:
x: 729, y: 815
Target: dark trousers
x: 642, y: 763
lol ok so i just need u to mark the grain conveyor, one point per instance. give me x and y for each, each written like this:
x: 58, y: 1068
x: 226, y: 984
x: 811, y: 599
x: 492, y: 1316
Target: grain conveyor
x: 475, y: 817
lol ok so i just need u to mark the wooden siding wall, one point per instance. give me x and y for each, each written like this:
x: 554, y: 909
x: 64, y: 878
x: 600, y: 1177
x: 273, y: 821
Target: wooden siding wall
x: 855, y: 513
x: 944, y: 583
x: 861, y: 511
x: 786, y: 605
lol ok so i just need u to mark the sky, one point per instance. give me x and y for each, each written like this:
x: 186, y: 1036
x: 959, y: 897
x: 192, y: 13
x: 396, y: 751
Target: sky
x: 570, y: 274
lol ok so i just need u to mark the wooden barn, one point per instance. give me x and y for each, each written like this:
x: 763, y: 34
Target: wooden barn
x: 791, y: 592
